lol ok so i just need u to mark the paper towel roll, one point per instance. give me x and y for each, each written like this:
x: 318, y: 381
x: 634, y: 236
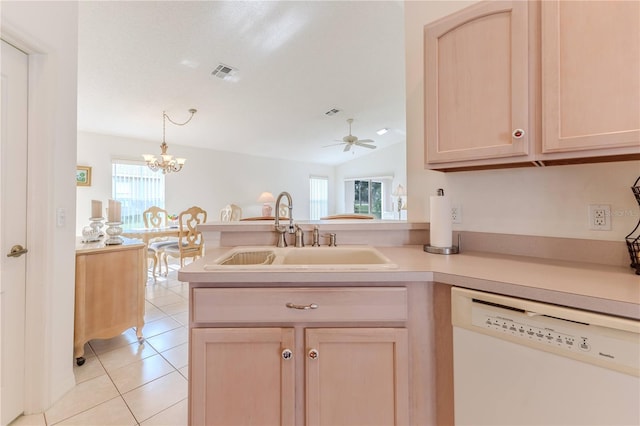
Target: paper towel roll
x: 440, y: 227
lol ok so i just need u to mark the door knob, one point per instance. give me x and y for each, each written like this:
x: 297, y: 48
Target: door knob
x: 17, y: 251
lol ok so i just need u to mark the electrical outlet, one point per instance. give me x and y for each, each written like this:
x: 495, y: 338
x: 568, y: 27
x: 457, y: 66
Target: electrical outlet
x: 456, y: 214
x: 600, y: 217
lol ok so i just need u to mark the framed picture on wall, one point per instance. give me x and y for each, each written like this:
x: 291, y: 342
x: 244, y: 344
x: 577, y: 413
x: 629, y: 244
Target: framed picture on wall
x: 83, y: 176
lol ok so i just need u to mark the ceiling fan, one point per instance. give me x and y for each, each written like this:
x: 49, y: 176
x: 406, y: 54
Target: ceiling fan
x: 351, y: 140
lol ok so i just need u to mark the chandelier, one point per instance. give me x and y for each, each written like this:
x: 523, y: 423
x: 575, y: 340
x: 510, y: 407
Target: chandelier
x: 166, y: 162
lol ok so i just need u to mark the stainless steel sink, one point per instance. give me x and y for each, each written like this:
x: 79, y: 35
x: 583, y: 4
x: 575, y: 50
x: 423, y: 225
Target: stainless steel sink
x: 268, y: 258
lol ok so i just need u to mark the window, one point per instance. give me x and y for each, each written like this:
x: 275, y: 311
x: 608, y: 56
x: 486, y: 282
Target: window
x: 137, y: 188
x: 369, y: 196
x: 318, y: 197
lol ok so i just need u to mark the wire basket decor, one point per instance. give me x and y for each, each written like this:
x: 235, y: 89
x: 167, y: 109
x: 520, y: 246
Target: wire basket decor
x: 633, y: 239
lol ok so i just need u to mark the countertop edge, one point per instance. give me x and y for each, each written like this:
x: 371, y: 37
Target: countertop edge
x: 555, y: 297
x: 608, y: 290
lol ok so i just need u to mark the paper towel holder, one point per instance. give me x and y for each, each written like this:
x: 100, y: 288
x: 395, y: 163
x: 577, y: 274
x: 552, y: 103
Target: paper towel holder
x: 444, y: 250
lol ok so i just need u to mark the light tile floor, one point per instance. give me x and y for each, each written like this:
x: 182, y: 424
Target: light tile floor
x: 123, y: 382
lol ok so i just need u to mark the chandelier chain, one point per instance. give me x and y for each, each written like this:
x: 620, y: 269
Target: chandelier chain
x: 165, y: 115
x: 192, y: 111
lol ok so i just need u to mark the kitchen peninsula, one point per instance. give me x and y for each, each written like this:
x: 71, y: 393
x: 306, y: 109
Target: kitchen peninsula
x: 403, y: 313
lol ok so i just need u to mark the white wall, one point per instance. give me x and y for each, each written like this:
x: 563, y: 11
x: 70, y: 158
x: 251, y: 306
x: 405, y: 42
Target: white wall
x: 390, y: 161
x: 47, y: 31
x: 210, y: 179
x: 550, y: 201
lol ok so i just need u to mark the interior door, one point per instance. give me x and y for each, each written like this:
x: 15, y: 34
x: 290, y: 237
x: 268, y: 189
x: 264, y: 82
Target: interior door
x: 13, y: 205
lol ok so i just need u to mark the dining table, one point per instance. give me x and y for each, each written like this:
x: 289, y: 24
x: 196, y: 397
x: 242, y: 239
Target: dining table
x: 254, y: 218
x: 148, y: 234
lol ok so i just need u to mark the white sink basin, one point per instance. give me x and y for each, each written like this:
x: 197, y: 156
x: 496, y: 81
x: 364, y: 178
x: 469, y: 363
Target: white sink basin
x: 268, y: 258
x: 335, y: 256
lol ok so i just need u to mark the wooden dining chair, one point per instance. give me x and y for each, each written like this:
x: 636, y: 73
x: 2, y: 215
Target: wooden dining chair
x: 190, y: 242
x: 236, y: 212
x: 156, y: 217
x: 230, y: 213
x: 284, y: 211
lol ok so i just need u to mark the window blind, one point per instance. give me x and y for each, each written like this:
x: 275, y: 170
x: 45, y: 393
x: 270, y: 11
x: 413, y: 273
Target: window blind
x: 137, y: 188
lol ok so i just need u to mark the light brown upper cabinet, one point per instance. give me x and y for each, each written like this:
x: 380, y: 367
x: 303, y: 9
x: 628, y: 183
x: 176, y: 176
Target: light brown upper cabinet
x: 477, y: 102
x: 533, y: 83
x: 590, y: 77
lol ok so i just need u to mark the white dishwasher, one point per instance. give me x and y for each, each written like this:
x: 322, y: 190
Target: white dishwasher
x: 518, y: 362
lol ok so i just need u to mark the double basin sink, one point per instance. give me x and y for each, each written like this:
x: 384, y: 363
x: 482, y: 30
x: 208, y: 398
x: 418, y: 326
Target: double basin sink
x: 268, y: 258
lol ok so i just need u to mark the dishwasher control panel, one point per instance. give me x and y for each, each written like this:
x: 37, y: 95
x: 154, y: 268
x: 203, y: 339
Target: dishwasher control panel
x: 566, y: 337
x: 598, y: 339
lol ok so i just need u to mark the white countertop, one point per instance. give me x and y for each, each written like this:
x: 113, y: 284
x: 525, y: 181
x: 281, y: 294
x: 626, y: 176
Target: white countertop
x: 99, y: 246
x: 607, y: 289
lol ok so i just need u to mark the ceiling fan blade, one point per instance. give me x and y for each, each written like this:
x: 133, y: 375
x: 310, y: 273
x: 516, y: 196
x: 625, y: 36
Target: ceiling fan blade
x: 367, y: 140
x: 364, y: 145
x: 333, y: 144
x: 347, y: 148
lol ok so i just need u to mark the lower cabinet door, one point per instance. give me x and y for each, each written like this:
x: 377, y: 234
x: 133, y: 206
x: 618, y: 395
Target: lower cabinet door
x: 241, y: 376
x: 357, y: 376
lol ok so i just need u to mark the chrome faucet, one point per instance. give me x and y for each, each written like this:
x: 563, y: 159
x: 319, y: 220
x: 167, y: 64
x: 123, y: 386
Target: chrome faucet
x: 281, y: 230
x: 299, y: 236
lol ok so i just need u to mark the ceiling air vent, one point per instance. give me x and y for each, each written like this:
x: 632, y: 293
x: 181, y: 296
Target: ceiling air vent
x: 332, y: 111
x: 223, y: 71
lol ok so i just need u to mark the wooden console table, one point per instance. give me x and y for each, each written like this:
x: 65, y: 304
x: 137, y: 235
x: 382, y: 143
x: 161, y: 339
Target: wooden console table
x: 110, y: 291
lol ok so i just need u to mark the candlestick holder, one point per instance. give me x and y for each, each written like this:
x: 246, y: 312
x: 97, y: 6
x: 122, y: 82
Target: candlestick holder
x: 89, y: 235
x: 96, y: 224
x: 113, y: 231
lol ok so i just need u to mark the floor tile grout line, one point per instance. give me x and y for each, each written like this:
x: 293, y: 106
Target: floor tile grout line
x: 80, y: 412
x: 170, y: 284
x: 162, y: 411
x: 121, y: 395
x: 157, y: 378
x: 172, y: 347
x: 106, y: 372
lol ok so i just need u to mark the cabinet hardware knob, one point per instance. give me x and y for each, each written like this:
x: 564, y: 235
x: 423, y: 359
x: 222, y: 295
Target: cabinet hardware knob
x: 518, y: 133
x: 304, y: 307
x: 313, y: 354
x: 287, y: 354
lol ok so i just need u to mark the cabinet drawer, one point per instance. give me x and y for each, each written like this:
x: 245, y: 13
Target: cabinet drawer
x: 270, y: 304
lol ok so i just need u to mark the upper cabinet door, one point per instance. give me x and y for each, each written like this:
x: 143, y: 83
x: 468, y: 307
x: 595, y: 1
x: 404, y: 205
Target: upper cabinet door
x: 590, y: 75
x: 477, y: 84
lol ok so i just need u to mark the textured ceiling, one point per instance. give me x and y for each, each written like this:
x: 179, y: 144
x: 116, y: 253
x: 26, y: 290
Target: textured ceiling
x: 295, y: 60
